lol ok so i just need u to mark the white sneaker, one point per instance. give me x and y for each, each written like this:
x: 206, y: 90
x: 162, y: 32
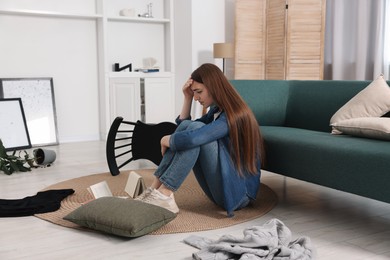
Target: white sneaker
x: 144, y: 194
x: 161, y: 200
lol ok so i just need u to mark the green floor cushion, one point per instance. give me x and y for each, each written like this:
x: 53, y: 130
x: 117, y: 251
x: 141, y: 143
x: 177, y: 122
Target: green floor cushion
x: 122, y: 217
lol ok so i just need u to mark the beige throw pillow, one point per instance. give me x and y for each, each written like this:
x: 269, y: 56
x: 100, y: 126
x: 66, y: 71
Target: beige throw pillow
x: 372, y: 101
x: 369, y: 127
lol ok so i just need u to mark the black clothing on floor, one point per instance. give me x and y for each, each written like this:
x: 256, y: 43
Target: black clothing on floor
x: 42, y: 202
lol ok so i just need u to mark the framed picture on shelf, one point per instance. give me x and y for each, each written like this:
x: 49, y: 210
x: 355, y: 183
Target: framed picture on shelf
x: 13, y: 128
x: 37, y: 95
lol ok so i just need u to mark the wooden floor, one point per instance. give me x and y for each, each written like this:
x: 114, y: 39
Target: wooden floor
x: 340, y: 225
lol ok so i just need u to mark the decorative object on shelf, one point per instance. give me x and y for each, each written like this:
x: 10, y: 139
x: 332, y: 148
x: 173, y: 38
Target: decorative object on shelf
x: 130, y: 12
x: 118, y: 68
x: 148, y: 70
x: 149, y: 65
x: 224, y: 51
x: 149, y: 13
x: 149, y: 62
x: 37, y: 95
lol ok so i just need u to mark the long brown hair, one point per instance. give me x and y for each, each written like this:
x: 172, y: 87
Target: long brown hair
x: 245, y: 137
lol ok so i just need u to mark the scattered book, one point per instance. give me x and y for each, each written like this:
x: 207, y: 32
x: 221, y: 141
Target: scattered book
x: 135, y: 184
x: 100, y: 189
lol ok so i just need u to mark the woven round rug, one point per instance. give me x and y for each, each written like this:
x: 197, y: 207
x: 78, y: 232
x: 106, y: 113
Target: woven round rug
x: 197, y: 212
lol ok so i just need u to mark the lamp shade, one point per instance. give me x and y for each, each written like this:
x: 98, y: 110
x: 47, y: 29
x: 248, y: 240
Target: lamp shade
x: 223, y: 50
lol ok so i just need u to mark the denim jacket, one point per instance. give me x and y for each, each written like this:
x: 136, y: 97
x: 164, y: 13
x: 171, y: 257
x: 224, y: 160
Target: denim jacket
x: 235, y: 187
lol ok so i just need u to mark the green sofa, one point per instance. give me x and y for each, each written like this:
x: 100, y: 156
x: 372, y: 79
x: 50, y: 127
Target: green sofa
x: 294, y: 121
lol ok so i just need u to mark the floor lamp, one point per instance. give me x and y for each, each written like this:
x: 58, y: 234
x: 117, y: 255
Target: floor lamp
x: 224, y: 51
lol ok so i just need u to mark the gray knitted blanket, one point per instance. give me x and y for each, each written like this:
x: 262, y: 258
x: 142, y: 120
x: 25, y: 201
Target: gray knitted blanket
x: 273, y: 240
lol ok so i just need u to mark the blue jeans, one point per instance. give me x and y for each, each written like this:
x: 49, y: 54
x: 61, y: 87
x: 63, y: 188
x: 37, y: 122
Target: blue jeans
x: 203, y: 160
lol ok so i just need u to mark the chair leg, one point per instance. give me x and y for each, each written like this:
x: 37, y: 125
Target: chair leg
x: 110, y: 146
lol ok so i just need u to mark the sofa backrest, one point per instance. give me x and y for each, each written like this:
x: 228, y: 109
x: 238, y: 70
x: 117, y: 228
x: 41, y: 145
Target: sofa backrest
x: 266, y: 98
x: 312, y: 103
x: 307, y: 104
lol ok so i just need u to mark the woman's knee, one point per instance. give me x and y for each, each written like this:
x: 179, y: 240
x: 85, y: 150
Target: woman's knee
x: 189, y: 125
x: 183, y: 125
x: 195, y: 125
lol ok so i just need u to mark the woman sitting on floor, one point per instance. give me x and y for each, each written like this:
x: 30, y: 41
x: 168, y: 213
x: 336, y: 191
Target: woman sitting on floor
x: 223, y: 147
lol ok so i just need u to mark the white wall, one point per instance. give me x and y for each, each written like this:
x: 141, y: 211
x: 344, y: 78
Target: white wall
x: 198, y: 25
x: 183, y: 47
x: 47, y: 47
x: 64, y: 49
x: 230, y: 14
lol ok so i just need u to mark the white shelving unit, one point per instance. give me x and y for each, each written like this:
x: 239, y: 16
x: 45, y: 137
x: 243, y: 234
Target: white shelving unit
x: 123, y: 40
x: 49, y: 14
x: 138, y: 20
x: 152, y: 93
x: 151, y: 96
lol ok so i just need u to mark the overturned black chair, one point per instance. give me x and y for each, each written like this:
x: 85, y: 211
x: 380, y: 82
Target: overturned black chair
x: 129, y: 141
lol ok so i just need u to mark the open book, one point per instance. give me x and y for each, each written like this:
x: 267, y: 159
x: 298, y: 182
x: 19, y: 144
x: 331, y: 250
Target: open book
x: 100, y: 189
x: 135, y: 186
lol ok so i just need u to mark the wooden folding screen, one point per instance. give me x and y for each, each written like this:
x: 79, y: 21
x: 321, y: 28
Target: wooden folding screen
x: 279, y: 39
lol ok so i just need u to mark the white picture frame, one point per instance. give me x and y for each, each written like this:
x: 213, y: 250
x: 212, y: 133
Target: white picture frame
x: 38, y: 101
x: 13, y: 127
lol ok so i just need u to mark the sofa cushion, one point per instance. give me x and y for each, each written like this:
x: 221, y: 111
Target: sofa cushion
x: 369, y: 127
x: 372, y: 101
x: 352, y: 164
